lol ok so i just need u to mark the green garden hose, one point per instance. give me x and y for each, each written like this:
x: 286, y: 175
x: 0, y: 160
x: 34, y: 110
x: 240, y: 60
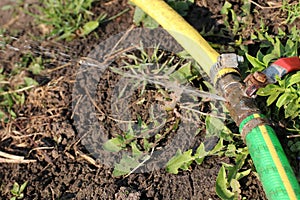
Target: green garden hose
x: 274, y: 170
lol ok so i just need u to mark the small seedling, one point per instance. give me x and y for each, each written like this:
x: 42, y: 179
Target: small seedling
x: 234, y: 22
x: 18, y: 191
x: 184, y: 160
x: 227, y: 184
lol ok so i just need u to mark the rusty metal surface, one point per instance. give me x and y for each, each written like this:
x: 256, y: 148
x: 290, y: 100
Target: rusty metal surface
x: 238, y: 104
x: 254, y: 82
x: 252, y: 124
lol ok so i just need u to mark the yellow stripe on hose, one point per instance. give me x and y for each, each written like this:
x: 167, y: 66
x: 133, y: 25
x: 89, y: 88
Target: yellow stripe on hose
x: 223, y: 72
x: 278, y: 164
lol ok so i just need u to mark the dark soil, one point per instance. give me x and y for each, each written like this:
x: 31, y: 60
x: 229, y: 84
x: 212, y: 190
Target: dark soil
x: 46, y: 132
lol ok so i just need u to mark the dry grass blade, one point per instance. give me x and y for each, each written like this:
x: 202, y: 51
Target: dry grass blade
x: 9, y: 158
x: 88, y: 158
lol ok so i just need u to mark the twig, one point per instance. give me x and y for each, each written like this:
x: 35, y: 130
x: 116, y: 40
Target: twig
x: 270, y: 7
x: 19, y: 90
x: 76, y: 106
x: 5, y: 160
x: 40, y: 148
x: 142, y: 163
x: 117, y: 15
x: 263, y: 7
x: 11, y: 22
x: 87, y: 158
x: 202, y: 113
x: 293, y: 136
x: 100, y: 111
x: 120, y: 40
x: 9, y: 158
x: 58, y: 68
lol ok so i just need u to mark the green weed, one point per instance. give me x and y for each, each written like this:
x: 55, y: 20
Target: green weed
x: 17, y: 190
x: 274, y: 49
x: 15, y: 83
x: 285, y: 94
x: 184, y: 160
x: 66, y: 19
x: 234, y: 22
x: 227, y: 184
x: 292, y: 10
x: 160, y: 70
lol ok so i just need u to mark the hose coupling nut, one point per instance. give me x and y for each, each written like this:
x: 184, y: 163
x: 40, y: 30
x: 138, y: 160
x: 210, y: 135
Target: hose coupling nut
x: 227, y: 63
x: 255, y: 81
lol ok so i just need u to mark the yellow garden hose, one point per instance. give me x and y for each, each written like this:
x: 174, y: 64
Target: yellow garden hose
x: 183, y: 32
x: 275, y: 172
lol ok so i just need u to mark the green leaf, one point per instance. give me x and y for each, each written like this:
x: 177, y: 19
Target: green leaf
x: 30, y: 82
x: 295, y: 78
x: 235, y: 20
x: 291, y: 48
x: 225, y: 8
x: 242, y: 174
x: 231, y: 150
x: 89, y: 27
x: 12, y: 113
x: 222, y: 185
x: 268, y: 58
x: 146, y: 144
x: 226, y: 134
x: 2, y: 114
x: 281, y: 32
x: 15, y: 189
x: 278, y: 48
x: 268, y: 90
x: 235, y: 185
x: 7, y: 7
x: 149, y: 22
x: 181, y: 7
x: 258, y: 65
x: 260, y: 55
x: 285, y: 98
x: 240, y: 160
x: 183, y: 74
x: 127, y: 163
x: 218, y: 147
x: 214, y: 126
x: 178, y: 161
x: 18, y: 98
x: 139, y: 16
x: 270, y: 39
x: 23, y: 186
x: 200, y: 154
x: 113, y: 145
x: 7, y: 101
x: 273, y: 97
x: 292, y: 109
x: 135, y: 149
x: 21, y: 196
